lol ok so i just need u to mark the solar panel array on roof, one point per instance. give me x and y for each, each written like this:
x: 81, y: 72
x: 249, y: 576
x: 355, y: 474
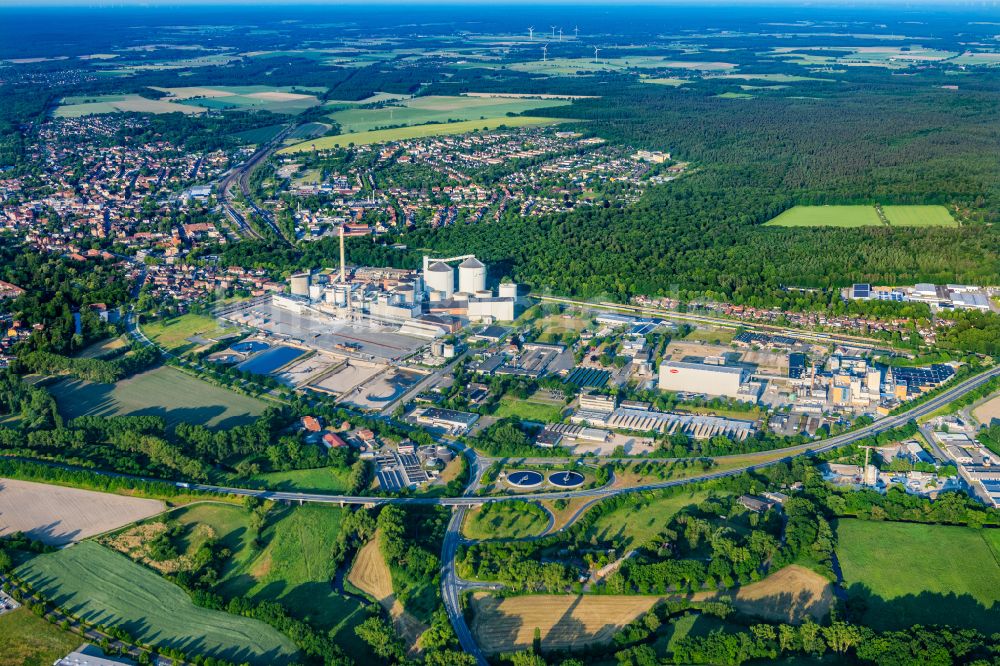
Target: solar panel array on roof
x: 796, y: 365
x: 588, y: 377
x: 935, y: 374
x: 862, y: 291
x: 643, y: 329
x: 390, y: 480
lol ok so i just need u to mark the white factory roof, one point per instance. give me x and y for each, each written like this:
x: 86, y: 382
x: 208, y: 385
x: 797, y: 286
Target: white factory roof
x: 726, y: 369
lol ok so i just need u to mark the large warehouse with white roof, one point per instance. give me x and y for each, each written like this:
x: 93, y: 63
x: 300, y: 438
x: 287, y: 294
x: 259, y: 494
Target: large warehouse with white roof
x: 712, y: 380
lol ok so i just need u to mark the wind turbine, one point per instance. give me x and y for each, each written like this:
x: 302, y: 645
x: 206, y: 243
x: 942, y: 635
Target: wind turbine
x: 545, y: 52
x: 576, y: 32
x: 596, y: 51
x: 553, y: 31
x: 531, y: 32
x: 560, y: 34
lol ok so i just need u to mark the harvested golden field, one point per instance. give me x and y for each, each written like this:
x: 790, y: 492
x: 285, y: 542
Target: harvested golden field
x: 370, y: 574
x: 788, y: 595
x: 988, y: 412
x: 563, y: 620
x: 58, y: 515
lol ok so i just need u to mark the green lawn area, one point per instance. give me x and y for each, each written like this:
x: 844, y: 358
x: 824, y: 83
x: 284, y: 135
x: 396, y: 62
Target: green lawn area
x: 505, y: 520
x: 323, y: 479
x: 416, y: 132
x: 163, y: 391
x: 172, y: 334
x: 28, y: 640
x: 919, y: 216
x: 668, y: 81
x: 436, y: 109
x: 922, y: 574
x: 294, y: 567
x: 735, y: 95
x: 230, y: 525
x: 637, y: 524
x: 827, y: 216
x: 529, y: 410
x: 102, y: 586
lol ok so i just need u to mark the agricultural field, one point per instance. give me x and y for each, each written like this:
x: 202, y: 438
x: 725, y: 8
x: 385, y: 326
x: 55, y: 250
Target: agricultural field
x: 989, y: 411
x: 294, y: 567
x: 573, y: 66
x: 563, y: 620
x: 102, y: 586
x: 776, y: 78
x: 259, y: 135
x: 531, y: 409
x: 370, y: 574
x: 100, y: 104
x: 921, y: 574
x: 919, y: 216
x: 28, y: 640
x: 506, y: 520
x: 186, y: 332
x: 103, y: 348
x: 827, y: 216
x: 791, y: 594
x: 436, y: 109
x: 636, y: 525
x: 568, y: 620
x: 58, y: 515
x: 666, y: 81
x: 276, y: 99
x: 416, y: 132
x: 163, y: 391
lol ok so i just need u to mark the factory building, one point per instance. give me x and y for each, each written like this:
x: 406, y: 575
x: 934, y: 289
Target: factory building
x: 299, y: 284
x: 440, y: 277
x: 491, y: 309
x: 471, y: 276
x: 710, y: 380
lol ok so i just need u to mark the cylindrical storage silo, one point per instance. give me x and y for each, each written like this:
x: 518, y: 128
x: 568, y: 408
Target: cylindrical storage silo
x: 508, y: 290
x: 440, y: 277
x: 471, y: 276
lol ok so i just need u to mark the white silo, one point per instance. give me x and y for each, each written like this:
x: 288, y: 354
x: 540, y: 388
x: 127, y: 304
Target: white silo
x: 508, y: 290
x: 471, y: 276
x: 315, y: 292
x: 439, y: 276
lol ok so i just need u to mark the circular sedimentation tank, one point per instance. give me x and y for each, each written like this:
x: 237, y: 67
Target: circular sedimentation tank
x: 566, y: 479
x: 524, y: 479
x: 249, y: 347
